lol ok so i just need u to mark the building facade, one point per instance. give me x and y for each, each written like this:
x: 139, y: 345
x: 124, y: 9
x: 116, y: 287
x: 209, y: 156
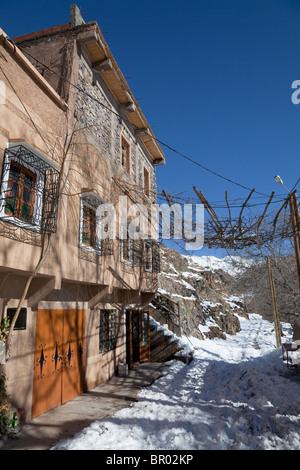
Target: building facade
x: 78, y: 169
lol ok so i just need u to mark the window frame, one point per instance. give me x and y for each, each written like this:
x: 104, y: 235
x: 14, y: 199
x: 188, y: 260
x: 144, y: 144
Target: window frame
x: 91, y: 202
x: 91, y: 225
x: 21, y: 186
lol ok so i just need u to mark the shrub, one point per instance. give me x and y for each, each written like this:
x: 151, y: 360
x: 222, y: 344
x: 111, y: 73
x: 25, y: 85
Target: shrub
x: 4, y: 325
x: 5, y: 410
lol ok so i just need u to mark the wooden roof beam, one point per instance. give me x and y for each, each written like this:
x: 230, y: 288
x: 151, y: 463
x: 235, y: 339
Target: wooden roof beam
x: 129, y: 107
x: 142, y: 132
x: 93, y: 301
x: 53, y: 284
x: 102, y: 65
x: 87, y: 37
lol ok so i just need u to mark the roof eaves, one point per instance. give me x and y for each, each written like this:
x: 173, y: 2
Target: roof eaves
x: 104, y: 63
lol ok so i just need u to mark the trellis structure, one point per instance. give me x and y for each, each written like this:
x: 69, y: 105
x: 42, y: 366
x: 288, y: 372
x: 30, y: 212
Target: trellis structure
x: 245, y: 229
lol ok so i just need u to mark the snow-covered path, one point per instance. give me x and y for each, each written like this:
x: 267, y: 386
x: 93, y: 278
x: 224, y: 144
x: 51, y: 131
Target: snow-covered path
x: 235, y: 394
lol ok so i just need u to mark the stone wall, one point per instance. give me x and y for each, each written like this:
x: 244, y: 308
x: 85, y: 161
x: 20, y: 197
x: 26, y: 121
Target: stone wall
x: 104, y: 128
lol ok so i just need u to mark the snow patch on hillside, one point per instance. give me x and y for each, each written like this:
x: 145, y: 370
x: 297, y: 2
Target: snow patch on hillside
x: 233, y: 265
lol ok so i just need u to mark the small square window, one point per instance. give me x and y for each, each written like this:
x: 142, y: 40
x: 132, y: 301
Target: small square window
x: 21, y: 320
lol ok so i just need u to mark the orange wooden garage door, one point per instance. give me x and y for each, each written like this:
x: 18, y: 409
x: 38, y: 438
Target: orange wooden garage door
x: 58, y: 358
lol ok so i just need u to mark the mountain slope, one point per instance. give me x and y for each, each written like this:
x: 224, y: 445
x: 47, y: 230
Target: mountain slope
x: 200, y: 289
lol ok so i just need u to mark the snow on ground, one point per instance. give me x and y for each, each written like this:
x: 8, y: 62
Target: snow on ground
x: 237, y: 394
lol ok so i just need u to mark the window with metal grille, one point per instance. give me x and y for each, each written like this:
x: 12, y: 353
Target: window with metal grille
x: 29, y: 189
x: 151, y: 255
x: 126, y: 245
x: 125, y: 157
x: 148, y: 256
x: 91, y: 226
x: 108, y: 330
x: 126, y: 254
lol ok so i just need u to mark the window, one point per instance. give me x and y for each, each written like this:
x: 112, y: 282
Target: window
x: 148, y: 256
x: 108, y: 330
x: 146, y: 182
x: 95, y: 233
x: 144, y: 329
x: 126, y: 255
x: 126, y: 245
x: 89, y: 226
x: 125, y: 157
x: 19, y: 195
x: 28, y: 195
x: 21, y: 320
x: 88, y: 233
x: 151, y: 254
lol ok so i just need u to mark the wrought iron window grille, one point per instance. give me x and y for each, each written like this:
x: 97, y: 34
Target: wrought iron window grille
x: 97, y: 245
x: 127, y: 245
x: 151, y: 256
x: 108, y: 330
x: 155, y: 256
x: 40, y: 212
x: 140, y: 253
x: 147, y: 256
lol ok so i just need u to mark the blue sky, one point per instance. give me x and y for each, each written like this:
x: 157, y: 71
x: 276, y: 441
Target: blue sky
x: 213, y: 78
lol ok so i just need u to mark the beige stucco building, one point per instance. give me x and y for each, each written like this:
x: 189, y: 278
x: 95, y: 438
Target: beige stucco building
x: 73, y: 141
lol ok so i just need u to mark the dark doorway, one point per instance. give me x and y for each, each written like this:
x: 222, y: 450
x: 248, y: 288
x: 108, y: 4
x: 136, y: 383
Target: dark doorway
x: 137, y: 337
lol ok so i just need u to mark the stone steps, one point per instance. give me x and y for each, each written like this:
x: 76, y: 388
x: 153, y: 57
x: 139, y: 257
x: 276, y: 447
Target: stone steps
x: 164, y: 347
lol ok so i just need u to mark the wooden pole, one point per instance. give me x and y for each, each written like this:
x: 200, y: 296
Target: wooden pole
x: 295, y: 220
x: 274, y: 303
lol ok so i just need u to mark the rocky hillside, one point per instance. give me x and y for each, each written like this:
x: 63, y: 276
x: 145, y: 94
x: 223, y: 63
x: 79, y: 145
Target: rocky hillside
x: 196, y: 294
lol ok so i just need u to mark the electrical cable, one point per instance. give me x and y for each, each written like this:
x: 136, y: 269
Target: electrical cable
x: 125, y: 119
x: 294, y: 187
